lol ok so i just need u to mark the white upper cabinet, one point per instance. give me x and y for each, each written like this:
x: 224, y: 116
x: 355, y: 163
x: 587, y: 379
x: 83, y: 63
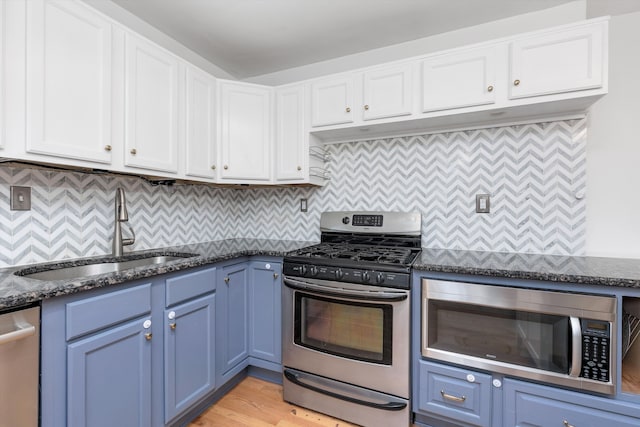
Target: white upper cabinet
x: 292, y: 147
x: 332, y: 101
x: 459, y: 79
x: 200, y: 119
x: 560, y: 61
x: 68, y: 87
x: 245, y: 132
x: 151, y: 106
x: 387, y: 92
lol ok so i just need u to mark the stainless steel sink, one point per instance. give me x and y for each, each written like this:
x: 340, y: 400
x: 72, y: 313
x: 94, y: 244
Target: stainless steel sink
x: 65, y: 273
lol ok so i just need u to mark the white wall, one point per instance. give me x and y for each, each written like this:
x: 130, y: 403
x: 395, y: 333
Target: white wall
x: 569, y: 12
x: 613, y: 149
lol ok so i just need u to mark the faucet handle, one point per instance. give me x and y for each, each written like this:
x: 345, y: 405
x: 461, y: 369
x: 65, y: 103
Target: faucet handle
x: 130, y: 240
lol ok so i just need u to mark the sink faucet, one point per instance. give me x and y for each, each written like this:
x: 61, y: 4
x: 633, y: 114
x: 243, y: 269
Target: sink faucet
x: 121, y: 216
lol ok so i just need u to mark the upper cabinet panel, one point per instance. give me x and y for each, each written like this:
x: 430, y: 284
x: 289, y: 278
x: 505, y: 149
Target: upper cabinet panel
x: 2, y: 81
x: 559, y: 61
x: 387, y: 92
x: 332, y: 101
x: 68, y: 81
x: 200, y: 124
x: 245, y: 131
x: 460, y: 79
x: 292, y: 148
x: 151, y: 106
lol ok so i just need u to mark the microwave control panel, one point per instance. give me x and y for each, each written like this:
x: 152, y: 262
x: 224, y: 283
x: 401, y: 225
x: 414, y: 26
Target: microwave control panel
x: 596, y: 338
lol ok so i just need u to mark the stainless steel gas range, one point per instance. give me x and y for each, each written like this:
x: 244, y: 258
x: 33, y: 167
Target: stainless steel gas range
x: 346, y: 318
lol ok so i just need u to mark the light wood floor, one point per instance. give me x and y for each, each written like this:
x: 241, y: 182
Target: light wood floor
x: 254, y: 402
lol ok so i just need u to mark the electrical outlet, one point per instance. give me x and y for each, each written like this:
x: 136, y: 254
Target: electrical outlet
x: 20, y: 198
x: 483, y: 203
x: 303, y: 205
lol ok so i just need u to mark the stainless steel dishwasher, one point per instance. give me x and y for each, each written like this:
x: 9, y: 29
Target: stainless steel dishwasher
x: 19, y: 367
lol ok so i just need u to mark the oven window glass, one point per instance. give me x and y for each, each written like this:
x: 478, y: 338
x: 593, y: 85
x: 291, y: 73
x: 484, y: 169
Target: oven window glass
x: 522, y: 338
x: 355, y: 330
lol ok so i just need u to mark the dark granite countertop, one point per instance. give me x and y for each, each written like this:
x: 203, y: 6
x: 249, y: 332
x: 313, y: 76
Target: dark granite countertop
x: 620, y: 272
x: 16, y: 291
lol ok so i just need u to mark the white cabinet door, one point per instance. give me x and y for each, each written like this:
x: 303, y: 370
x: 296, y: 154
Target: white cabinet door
x: 332, y: 101
x: 200, y: 116
x: 459, y: 79
x: 245, y: 131
x: 151, y: 105
x: 561, y: 61
x: 292, y: 150
x: 68, y: 81
x: 387, y: 92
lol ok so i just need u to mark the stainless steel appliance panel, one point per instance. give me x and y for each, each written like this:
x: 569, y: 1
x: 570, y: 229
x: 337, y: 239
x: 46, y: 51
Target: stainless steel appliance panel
x: 561, y: 338
x: 19, y: 367
x: 392, y: 378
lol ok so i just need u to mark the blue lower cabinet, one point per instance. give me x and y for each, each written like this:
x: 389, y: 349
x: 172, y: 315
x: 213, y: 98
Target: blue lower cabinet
x: 232, y: 322
x: 109, y: 378
x: 189, y: 343
x: 265, y: 314
x: 529, y: 405
x: 454, y: 394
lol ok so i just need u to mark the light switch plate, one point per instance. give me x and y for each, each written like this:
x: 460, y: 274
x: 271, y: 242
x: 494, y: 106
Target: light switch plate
x: 483, y: 203
x: 20, y: 198
x: 303, y: 205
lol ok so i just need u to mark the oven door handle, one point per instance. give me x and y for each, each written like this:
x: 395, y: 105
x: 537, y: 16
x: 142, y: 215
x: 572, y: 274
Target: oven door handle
x: 355, y: 294
x: 388, y: 406
x: 576, y: 347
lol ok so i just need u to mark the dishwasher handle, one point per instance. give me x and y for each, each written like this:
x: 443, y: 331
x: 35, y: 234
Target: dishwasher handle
x: 20, y: 333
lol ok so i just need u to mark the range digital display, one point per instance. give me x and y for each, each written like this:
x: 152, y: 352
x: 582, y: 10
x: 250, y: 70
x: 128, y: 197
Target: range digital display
x: 367, y: 221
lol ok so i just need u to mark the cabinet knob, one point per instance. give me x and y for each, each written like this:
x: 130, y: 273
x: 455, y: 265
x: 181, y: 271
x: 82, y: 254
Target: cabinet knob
x: 133, y: 151
x: 565, y: 423
x: 366, y: 107
x: 490, y: 89
x: 348, y: 110
x: 275, y: 275
x: 299, y: 168
x: 213, y: 167
x: 516, y: 82
x: 107, y: 148
x: 226, y: 280
x: 172, y: 326
x: 148, y: 336
x: 226, y: 167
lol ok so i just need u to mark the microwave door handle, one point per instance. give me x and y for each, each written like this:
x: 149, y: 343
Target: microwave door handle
x: 576, y: 347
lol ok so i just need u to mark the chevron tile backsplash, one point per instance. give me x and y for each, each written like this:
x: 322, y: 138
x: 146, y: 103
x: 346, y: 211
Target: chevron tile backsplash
x: 535, y: 174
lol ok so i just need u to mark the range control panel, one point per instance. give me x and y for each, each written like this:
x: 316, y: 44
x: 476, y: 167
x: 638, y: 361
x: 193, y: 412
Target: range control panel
x: 348, y: 275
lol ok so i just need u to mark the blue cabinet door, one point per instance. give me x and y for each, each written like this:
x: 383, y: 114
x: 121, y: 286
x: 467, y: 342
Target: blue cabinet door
x: 232, y: 321
x: 189, y: 354
x: 265, y: 332
x: 109, y: 378
x: 532, y: 405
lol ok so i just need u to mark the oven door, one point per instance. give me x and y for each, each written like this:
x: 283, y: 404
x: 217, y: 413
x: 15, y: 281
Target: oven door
x: 353, y: 333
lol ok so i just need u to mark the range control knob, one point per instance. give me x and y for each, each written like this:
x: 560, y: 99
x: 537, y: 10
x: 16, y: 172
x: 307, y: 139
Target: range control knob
x: 303, y: 270
x: 339, y: 274
x: 379, y: 278
x: 346, y: 220
x: 366, y: 277
x: 313, y: 270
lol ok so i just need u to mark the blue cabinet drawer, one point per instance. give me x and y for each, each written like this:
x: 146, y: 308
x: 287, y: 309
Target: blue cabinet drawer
x: 95, y: 313
x: 457, y: 394
x: 190, y: 285
x: 535, y: 405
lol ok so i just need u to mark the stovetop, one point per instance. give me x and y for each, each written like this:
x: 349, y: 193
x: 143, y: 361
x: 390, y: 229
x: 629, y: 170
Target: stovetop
x: 329, y: 252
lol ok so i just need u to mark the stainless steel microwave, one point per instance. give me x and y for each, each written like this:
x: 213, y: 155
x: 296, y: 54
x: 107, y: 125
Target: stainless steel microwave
x: 562, y: 338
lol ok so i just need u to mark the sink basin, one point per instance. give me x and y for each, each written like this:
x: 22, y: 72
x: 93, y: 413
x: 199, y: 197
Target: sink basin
x: 73, y: 272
